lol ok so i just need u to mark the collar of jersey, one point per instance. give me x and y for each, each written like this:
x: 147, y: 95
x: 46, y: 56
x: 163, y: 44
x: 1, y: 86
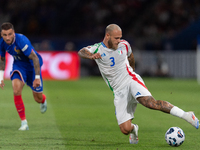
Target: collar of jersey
x: 14, y: 39
x: 103, y: 44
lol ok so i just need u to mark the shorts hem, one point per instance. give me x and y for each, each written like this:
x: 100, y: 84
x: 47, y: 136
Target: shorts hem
x: 125, y: 120
x: 22, y: 79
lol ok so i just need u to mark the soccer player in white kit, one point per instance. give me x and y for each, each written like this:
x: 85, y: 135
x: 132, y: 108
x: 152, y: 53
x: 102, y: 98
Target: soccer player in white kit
x: 116, y: 63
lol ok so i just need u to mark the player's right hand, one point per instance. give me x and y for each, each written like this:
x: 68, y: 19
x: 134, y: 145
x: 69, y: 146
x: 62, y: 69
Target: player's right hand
x: 2, y: 84
x: 96, y: 56
x: 36, y: 83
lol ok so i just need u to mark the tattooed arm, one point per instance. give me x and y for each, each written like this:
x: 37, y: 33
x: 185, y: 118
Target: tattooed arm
x: 131, y: 61
x: 36, y: 64
x: 2, y: 68
x: 84, y: 53
x: 2, y: 63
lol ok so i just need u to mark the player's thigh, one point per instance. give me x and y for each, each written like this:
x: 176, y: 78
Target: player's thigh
x: 125, y: 105
x: 17, y: 82
x: 138, y: 88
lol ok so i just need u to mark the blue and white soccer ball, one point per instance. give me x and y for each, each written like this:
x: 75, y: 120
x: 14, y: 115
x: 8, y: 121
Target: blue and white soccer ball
x: 175, y: 136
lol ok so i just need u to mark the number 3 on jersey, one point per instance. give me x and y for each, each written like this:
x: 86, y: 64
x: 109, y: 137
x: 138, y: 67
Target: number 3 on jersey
x: 113, y: 61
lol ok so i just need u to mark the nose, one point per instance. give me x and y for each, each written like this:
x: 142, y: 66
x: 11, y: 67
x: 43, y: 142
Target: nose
x: 7, y: 37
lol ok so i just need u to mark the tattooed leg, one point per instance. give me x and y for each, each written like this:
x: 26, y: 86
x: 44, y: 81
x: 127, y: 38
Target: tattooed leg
x: 150, y: 102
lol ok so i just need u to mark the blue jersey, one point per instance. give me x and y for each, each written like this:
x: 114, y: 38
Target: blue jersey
x: 20, y: 49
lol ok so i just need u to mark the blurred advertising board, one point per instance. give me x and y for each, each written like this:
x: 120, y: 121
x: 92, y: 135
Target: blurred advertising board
x: 56, y: 65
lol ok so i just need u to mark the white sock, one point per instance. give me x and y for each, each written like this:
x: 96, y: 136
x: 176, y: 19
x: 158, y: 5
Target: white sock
x: 175, y: 111
x: 132, y: 125
x: 24, y: 121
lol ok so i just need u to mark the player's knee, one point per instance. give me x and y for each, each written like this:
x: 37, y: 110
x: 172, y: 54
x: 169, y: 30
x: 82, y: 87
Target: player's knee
x: 16, y: 92
x: 125, y: 129
x: 17, y: 86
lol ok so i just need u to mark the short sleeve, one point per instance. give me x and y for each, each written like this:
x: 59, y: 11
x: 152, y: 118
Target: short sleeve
x: 93, y: 48
x: 128, y: 47
x: 24, y: 44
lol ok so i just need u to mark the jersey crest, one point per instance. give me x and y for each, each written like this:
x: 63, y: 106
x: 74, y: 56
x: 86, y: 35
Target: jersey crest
x: 120, y: 51
x: 16, y: 50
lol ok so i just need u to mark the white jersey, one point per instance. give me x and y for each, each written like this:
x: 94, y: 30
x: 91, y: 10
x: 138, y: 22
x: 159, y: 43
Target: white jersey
x: 114, y: 65
x: 120, y: 77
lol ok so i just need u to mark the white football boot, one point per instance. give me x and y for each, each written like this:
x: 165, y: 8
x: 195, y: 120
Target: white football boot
x: 191, y: 118
x: 133, y: 138
x: 43, y: 107
x: 24, y: 126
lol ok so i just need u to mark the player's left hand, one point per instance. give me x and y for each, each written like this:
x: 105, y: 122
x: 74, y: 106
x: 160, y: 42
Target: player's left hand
x: 36, y: 83
x: 2, y: 84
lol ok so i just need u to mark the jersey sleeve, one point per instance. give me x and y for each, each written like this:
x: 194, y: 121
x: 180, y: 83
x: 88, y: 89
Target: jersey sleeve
x: 24, y: 44
x: 93, y: 48
x: 128, y: 47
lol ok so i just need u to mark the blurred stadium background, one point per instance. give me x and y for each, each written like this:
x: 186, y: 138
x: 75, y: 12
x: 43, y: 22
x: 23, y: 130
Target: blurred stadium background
x: 163, y: 34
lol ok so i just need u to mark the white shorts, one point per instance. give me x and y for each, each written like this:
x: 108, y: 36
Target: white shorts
x: 125, y: 100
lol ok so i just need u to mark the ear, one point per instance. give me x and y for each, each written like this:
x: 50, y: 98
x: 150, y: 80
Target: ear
x: 107, y: 35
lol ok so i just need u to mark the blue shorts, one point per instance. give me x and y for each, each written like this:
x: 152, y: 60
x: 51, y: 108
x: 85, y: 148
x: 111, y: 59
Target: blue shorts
x: 26, y: 77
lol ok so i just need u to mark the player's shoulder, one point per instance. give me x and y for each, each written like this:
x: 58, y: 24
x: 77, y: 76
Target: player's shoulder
x: 124, y: 42
x: 94, y: 46
x: 20, y: 36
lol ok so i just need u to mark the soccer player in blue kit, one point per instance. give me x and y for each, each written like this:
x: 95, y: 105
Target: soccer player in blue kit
x: 26, y: 69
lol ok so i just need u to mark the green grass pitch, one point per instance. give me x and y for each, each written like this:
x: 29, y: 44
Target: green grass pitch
x: 81, y: 116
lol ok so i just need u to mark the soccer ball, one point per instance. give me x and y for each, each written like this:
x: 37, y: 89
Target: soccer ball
x: 175, y: 136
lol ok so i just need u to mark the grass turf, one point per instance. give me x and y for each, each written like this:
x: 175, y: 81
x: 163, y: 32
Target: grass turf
x: 81, y: 116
